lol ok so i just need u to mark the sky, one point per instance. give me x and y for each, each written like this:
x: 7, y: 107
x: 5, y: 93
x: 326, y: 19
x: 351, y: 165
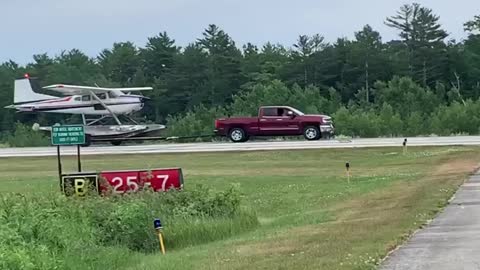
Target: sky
x: 31, y: 27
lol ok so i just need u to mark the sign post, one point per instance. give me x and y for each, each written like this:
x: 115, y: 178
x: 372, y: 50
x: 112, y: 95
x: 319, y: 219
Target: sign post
x: 68, y: 135
x: 59, y: 162
x: 347, y: 168
x: 79, y: 163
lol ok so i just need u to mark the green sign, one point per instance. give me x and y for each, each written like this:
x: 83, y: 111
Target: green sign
x: 68, y: 135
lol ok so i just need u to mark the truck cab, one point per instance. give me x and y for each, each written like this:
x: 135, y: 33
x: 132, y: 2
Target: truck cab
x: 279, y: 120
x: 275, y: 121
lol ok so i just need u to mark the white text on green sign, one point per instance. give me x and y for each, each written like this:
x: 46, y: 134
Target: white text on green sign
x: 65, y: 135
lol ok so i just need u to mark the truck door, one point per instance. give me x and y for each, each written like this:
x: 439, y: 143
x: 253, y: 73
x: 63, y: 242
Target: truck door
x: 291, y: 122
x: 275, y: 121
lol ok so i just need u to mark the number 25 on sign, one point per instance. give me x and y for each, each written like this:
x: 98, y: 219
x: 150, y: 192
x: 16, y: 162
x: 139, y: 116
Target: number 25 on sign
x: 131, y: 184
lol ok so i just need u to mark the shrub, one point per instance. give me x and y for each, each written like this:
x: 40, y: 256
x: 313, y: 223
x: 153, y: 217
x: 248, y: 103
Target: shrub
x: 24, y: 136
x: 200, y: 121
x: 55, y: 232
x: 456, y: 118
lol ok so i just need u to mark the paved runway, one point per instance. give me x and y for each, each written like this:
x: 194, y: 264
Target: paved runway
x: 450, y: 242
x: 248, y: 146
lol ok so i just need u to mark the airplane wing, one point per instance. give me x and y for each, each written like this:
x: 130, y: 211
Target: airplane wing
x: 85, y: 90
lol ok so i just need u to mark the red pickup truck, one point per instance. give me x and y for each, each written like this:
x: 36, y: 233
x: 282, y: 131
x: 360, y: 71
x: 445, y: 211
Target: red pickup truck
x: 275, y: 121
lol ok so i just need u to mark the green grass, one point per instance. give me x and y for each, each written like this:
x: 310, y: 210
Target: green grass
x: 310, y: 216
x: 44, y: 232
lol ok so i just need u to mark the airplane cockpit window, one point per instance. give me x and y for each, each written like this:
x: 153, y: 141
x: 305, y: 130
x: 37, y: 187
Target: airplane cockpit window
x: 86, y: 98
x: 102, y: 95
x: 78, y: 99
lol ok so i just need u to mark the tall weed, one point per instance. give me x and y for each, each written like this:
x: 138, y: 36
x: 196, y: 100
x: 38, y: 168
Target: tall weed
x: 58, y: 232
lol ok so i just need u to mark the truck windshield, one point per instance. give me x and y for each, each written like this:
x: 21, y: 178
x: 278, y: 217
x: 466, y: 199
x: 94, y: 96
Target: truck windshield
x: 297, y: 112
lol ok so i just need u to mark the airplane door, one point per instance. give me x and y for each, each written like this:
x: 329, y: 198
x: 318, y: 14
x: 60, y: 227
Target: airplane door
x: 99, y: 107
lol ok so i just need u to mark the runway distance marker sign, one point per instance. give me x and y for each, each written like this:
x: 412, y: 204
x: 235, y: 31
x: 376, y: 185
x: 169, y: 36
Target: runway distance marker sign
x: 121, y: 182
x: 79, y: 184
x: 131, y: 181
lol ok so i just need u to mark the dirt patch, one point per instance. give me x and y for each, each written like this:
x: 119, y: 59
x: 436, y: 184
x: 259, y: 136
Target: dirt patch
x: 278, y: 246
x: 457, y: 166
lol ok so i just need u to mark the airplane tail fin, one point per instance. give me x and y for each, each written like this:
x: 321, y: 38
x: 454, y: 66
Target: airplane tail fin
x: 24, y: 91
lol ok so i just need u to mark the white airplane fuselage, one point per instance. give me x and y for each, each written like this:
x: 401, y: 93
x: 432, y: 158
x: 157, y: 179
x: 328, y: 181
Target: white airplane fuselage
x: 86, y: 104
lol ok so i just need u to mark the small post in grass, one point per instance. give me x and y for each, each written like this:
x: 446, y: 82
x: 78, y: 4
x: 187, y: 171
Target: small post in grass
x: 347, y: 167
x: 405, y: 146
x: 79, y: 162
x: 157, y: 224
x: 59, y: 163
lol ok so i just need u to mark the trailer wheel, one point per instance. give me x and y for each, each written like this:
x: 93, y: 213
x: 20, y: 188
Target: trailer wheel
x: 237, y: 135
x: 88, y: 141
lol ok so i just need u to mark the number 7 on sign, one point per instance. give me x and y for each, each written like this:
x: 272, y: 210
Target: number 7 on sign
x: 164, y: 179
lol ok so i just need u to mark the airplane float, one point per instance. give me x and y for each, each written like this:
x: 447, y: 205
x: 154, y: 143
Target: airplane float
x: 87, y: 101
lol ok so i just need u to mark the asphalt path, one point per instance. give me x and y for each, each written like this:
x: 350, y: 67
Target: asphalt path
x: 247, y: 146
x: 450, y: 242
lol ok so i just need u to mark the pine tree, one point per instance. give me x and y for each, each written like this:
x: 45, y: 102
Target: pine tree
x: 158, y: 66
x: 367, y: 56
x: 224, y: 66
x: 473, y: 26
x: 120, y: 63
x: 423, y: 36
x: 305, y: 47
x: 158, y: 55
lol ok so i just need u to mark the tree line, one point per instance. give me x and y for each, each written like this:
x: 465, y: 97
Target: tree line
x: 415, y: 78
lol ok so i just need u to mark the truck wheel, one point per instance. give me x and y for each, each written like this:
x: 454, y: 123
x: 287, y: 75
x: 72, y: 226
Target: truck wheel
x: 311, y: 133
x: 237, y: 135
x: 116, y: 143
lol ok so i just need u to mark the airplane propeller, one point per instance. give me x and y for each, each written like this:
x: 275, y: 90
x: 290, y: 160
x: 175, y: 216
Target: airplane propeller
x: 141, y: 97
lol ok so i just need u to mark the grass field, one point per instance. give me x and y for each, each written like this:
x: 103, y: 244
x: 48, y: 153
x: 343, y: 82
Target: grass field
x: 310, y: 216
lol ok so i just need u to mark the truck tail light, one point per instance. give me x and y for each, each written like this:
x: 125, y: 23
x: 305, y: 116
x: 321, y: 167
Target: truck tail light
x: 216, y: 123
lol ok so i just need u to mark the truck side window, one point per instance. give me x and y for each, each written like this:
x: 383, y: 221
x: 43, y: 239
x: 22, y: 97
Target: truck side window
x: 286, y: 111
x: 270, y: 112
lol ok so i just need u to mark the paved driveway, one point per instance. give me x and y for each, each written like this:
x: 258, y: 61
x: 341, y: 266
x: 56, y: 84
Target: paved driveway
x: 450, y: 242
